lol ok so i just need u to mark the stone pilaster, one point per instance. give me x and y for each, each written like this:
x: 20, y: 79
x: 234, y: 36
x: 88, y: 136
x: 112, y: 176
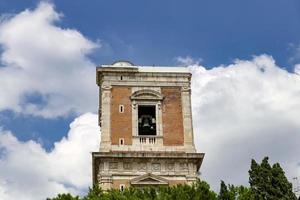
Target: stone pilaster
x: 187, y: 119
x: 105, y: 118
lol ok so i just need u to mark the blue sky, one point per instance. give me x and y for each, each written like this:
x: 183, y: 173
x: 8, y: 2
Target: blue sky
x: 154, y: 32
x: 244, y: 56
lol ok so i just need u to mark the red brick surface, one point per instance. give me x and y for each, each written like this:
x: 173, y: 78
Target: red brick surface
x: 172, y: 116
x: 121, y: 123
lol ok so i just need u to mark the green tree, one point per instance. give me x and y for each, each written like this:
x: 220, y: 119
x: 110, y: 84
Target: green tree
x: 204, y: 192
x: 268, y: 182
x: 94, y: 193
x: 231, y: 192
x: 282, y: 188
x: 244, y: 193
x: 224, y: 193
x: 64, y: 197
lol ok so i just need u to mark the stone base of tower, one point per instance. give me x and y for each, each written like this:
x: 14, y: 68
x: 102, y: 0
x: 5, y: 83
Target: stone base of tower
x: 139, y: 169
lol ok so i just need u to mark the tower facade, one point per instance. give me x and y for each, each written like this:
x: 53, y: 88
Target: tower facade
x: 146, y: 127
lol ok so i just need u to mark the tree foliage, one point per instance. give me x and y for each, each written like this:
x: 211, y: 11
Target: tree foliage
x: 231, y: 192
x: 224, y: 193
x: 64, y: 197
x: 269, y: 182
x: 198, y: 191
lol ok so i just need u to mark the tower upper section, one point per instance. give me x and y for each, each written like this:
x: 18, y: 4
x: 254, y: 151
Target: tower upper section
x: 145, y: 108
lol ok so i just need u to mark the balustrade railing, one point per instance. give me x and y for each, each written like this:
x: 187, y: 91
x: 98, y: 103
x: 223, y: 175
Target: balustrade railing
x: 147, y: 140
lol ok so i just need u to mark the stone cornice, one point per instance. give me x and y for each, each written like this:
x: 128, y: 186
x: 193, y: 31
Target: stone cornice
x: 141, y: 154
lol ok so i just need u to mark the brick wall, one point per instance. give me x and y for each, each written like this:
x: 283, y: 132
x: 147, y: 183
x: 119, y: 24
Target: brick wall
x: 121, y: 123
x: 116, y: 183
x: 172, y: 116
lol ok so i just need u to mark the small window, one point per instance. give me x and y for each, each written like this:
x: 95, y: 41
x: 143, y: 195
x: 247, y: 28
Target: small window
x: 122, y: 187
x: 121, y: 108
x: 121, y: 141
x: 121, y: 78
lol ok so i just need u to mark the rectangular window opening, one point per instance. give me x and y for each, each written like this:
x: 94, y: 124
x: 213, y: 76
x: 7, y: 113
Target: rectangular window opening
x: 146, y: 120
x: 121, y: 108
x: 121, y: 141
x: 122, y: 187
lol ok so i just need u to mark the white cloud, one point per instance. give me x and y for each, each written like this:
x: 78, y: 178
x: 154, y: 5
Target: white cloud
x: 297, y: 69
x: 28, y: 171
x: 295, y: 53
x: 188, y: 60
x: 41, y: 59
x: 249, y: 109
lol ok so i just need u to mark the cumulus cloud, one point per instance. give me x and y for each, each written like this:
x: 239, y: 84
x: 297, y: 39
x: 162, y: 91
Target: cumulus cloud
x: 28, y: 171
x: 249, y: 109
x: 45, y: 69
x: 297, y: 69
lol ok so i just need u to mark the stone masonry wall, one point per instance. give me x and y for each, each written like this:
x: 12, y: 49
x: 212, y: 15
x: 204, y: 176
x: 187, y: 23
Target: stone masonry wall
x: 116, y: 183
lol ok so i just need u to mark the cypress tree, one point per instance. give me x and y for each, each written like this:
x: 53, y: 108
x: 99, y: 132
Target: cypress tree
x: 268, y: 182
x: 282, y: 188
x: 224, y: 193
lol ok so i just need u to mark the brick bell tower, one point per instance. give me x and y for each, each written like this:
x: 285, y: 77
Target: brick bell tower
x: 146, y: 127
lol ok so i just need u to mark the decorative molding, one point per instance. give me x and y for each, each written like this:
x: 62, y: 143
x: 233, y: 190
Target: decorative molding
x: 156, y: 166
x: 106, y: 87
x: 101, y: 166
x: 159, y: 106
x: 146, y: 94
x: 127, y: 165
x: 185, y: 88
x: 134, y: 104
x: 170, y: 166
x: 143, y: 166
x: 149, y: 179
x: 183, y: 166
x: 113, y: 165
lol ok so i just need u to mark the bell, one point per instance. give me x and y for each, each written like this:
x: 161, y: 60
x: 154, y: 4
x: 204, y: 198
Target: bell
x: 146, y: 122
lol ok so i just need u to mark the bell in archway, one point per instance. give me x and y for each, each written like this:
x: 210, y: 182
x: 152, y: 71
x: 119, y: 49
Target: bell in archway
x: 146, y: 121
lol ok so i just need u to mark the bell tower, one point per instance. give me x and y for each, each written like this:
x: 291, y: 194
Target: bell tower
x: 146, y: 127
